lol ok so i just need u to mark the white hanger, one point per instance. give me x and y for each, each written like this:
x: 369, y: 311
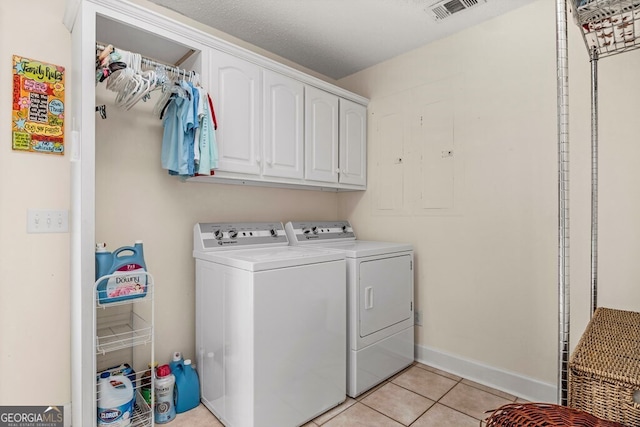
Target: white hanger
x: 148, y: 83
x: 133, y: 84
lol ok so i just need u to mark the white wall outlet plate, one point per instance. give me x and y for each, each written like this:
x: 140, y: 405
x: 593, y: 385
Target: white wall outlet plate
x: 47, y: 221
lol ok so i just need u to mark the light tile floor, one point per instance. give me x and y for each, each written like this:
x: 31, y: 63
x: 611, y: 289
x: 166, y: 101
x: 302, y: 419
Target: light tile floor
x: 419, y: 396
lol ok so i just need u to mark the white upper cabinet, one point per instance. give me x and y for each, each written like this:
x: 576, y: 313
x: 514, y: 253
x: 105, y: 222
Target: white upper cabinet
x: 280, y: 127
x: 335, y: 139
x: 283, y: 109
x: 321, y: 135
x: 353, y: 143
x: 235, y: 89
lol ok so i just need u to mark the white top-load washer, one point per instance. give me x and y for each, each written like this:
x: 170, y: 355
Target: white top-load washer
x: 269, y: 325
x: 379, y: 300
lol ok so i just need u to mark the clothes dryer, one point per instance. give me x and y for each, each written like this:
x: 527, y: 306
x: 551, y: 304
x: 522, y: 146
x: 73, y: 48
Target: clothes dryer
x: 269, y: 325
x: 379, y: 300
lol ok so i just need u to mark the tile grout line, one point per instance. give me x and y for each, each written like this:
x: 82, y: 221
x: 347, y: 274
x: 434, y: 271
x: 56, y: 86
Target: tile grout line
x: 390, y: 381
x: 477, y: 388
x: 438, y: 401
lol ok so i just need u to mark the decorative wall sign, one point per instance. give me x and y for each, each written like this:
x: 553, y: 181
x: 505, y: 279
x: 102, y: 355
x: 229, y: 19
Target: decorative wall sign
x: 38, y: 106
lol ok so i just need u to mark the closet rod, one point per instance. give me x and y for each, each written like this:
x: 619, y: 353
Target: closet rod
x: 153, y: 63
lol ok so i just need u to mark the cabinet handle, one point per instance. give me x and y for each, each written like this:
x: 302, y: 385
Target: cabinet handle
x: 337, y: 170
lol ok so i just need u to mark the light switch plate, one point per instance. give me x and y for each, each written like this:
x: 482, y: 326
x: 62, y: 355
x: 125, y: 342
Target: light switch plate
x: 47, y: 221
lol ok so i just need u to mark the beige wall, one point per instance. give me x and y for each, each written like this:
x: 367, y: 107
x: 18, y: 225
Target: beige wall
x: 34, y: 268
x: 486, y: 273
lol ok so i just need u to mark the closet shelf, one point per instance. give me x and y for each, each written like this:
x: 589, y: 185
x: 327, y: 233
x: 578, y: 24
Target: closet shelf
x: 608, y: 27
x: 122, y: 330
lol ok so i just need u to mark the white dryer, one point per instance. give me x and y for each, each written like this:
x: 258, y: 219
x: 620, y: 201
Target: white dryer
x: 269, y: 325
x: 379, y: 300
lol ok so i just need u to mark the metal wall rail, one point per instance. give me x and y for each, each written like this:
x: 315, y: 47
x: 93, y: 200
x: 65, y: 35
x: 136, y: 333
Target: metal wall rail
x: 594, y: 179
x: 562, y: 59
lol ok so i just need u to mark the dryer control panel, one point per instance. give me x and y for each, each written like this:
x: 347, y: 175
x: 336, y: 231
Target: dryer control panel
x: 319, y: 231
x: 210, y: 236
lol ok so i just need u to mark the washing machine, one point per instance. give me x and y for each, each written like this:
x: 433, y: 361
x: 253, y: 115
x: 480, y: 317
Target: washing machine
x: 379, y: 300
x: 270, y: 322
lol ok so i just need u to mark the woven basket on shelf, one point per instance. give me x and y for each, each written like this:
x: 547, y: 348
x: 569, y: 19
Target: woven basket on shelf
x: 543, y: 415
x: 604, y: 371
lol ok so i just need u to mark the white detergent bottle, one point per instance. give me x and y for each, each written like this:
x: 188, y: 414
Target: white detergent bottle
x: 164, y: 409
x: 115, y: 400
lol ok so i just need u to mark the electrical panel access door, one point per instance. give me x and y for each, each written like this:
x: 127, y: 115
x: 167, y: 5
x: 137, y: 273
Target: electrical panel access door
x: 385, y: 293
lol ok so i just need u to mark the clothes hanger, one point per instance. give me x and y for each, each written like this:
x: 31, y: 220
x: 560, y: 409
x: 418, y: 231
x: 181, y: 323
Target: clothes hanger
x: 148, y: 79
x: 133, y: 84
x: 164, y: 80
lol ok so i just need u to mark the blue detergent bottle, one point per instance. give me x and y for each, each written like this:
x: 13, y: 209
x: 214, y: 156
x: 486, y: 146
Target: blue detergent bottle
x: 176, y: 359
x: 186, y: 393
x: 128, y: 268
x: 104, y: 260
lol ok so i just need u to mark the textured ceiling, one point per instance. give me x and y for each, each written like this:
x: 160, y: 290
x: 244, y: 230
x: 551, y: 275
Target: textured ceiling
x: 335, y: 37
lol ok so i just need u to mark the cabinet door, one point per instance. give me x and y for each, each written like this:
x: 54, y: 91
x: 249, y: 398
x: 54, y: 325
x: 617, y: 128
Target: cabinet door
x: 353, y: 143
x: 235, y: 89
x: 282, y: 126
x: 321, y: 135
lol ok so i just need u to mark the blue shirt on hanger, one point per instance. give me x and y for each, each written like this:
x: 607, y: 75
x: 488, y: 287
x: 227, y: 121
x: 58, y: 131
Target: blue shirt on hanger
x: 178, y: 133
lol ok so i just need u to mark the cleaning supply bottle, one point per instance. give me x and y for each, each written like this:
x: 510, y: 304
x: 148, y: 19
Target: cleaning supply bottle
x: 164, y: 409
x: 104, y: 260
x: 122, y: 369
x: 128, y: 268
x: 145, y: 383
x: 176, y: 360
x: 187, y: 388
x: 115, y: 400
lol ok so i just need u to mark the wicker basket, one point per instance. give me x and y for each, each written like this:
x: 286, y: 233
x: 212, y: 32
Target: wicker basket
x: 543, y: 415
x: 604, y: 371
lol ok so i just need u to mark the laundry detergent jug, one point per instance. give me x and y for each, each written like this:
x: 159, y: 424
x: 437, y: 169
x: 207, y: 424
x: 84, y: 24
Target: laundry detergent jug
x: 123, y: 369
x: 176, y: 359
x: 187, y: 389
x: 115, y: 400
x: 128, y: 273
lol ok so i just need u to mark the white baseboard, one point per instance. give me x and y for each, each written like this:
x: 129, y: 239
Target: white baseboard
x: 510, y: 382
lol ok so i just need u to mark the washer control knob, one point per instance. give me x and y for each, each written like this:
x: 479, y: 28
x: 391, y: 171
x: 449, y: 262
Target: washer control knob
x: 233, y: 233
x: 314, y: 229
x: 344, y: 228
x: 305, y: 230
x: 273, y: 232
x: 217, y: 234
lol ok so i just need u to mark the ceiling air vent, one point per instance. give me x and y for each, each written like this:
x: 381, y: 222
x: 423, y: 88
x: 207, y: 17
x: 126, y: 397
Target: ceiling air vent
x: 446, y: 8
